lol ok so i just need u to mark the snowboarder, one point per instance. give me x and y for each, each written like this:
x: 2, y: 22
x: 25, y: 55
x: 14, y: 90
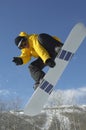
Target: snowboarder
x: 42, y: 46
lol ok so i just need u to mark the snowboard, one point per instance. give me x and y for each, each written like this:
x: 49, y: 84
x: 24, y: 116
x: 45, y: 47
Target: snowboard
x: 41, y: 94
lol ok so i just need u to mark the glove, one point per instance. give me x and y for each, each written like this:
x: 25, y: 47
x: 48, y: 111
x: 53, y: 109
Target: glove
x: 50, y: 63
x: 17, y: 60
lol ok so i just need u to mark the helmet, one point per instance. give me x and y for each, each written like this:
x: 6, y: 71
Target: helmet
x: 19, y: 40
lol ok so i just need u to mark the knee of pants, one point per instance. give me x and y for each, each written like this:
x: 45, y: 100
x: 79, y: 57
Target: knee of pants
x: 33, y: 68
x: 30, y: 67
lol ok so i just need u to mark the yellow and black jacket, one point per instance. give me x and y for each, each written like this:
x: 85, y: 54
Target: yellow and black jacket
x: 35, y: 48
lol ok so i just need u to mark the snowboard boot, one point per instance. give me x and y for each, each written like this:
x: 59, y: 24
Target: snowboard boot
x: 36, y: 85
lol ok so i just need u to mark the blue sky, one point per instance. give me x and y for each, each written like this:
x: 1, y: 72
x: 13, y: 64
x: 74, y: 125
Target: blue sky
x: 56, y: 17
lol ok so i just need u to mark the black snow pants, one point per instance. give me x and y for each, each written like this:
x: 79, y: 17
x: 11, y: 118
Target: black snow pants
x: 36, y: 67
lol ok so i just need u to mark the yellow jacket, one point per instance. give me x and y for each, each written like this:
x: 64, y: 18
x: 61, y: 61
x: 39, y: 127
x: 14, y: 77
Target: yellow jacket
x: 35, y: 48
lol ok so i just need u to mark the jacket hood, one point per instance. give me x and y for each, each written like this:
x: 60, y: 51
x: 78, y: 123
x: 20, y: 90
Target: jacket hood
x: 23, y: 34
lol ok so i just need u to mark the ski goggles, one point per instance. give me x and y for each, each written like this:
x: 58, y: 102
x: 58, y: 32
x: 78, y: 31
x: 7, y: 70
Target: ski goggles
x: 22, y: 44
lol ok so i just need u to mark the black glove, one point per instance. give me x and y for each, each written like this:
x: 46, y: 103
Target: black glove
x: 17, y: 60
x: 50, y: 63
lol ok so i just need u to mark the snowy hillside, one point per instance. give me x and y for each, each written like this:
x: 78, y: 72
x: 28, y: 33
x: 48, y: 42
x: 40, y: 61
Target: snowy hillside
x: 61, y: 112
x: 57, y: 118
